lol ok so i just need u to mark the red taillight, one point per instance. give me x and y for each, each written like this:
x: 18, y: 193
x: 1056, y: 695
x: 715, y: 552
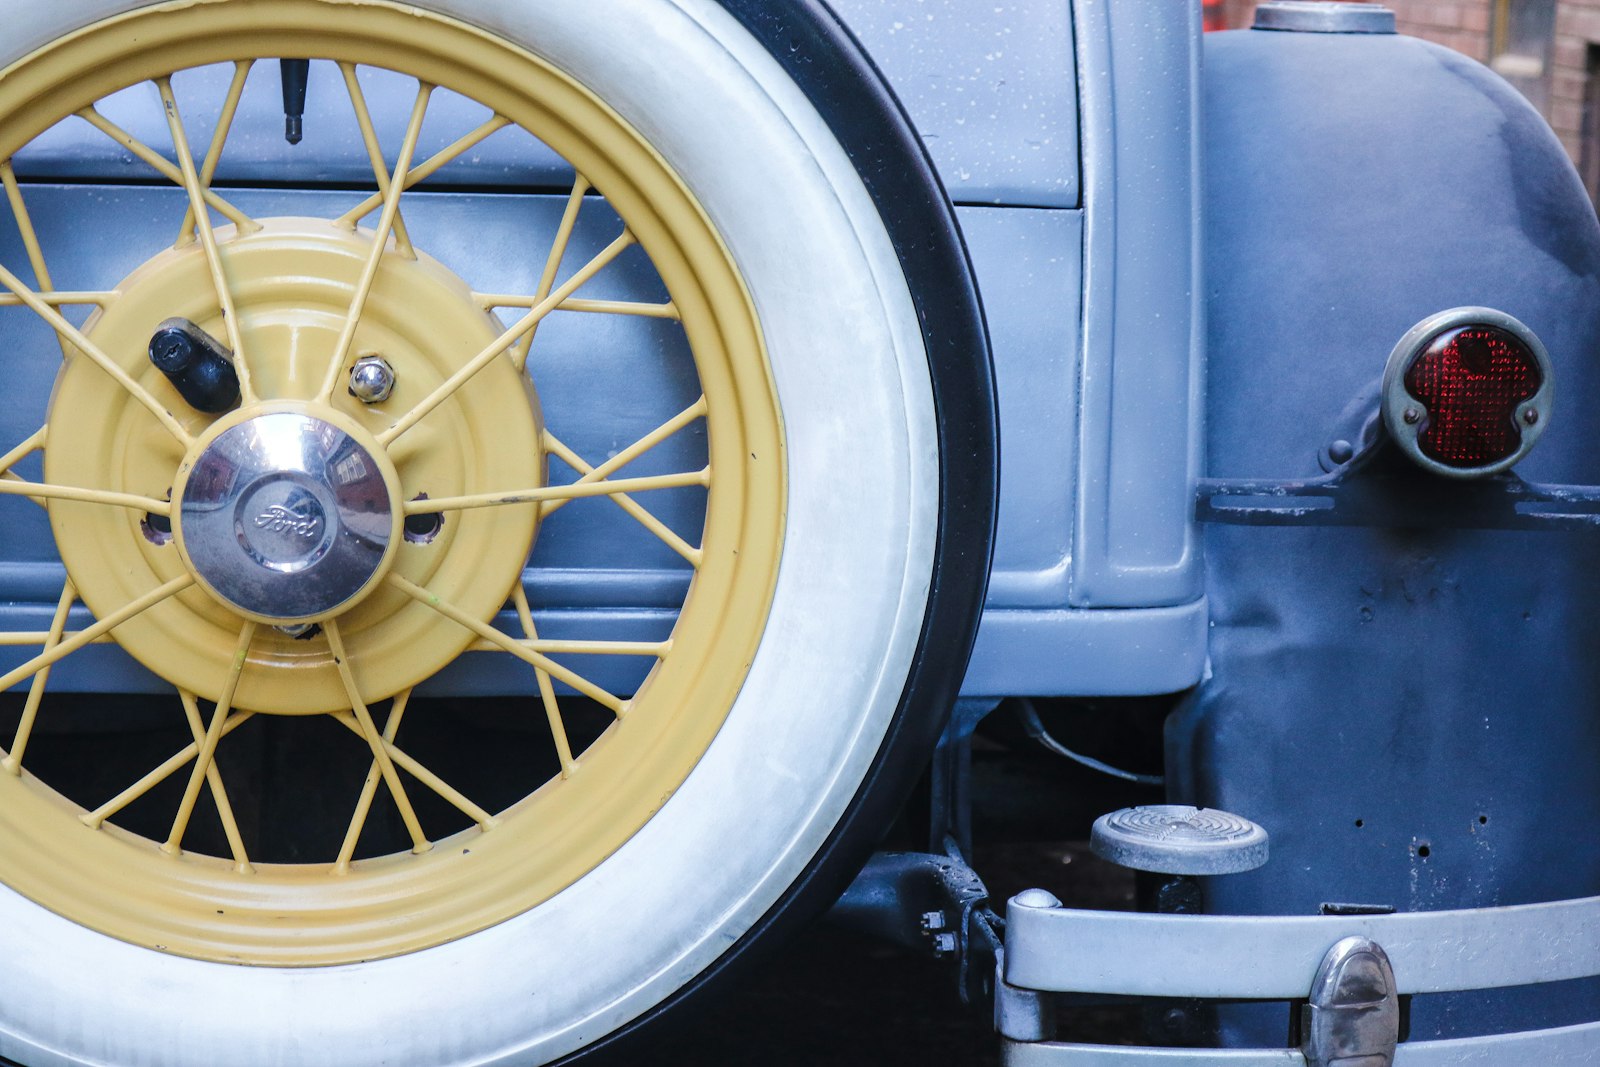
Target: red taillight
x: 1471, y: 383
x: 1467, y: 392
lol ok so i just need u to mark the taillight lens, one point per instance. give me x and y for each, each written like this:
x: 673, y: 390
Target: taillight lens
x: 1467, y: 392
x: 1472, y: 383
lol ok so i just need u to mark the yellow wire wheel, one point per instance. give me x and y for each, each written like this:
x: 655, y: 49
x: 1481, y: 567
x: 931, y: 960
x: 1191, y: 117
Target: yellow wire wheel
x: 297, y: 299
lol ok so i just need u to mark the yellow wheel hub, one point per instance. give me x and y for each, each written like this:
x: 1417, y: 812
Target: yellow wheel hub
x: 291, y: 284
x: 455, y: 457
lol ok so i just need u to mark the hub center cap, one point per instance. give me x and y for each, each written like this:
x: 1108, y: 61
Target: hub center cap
x: 286, y: 516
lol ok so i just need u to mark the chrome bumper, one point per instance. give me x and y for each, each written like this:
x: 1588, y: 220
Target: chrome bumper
x: 1055, y: 949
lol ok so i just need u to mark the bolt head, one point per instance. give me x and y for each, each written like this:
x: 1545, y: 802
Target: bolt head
x: 944, y: 944
x: 1412, y: 416
x: 1531, y: 416
x: 371, y: 379
x: 933, y: 920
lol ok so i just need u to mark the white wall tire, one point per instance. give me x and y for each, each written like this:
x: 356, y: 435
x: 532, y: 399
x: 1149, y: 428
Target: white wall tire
x: 847, y: 628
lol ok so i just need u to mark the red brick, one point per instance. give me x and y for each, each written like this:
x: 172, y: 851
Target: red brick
x: 1572, y: 52
x: 1578, y: 21
x: 1566, y: 116
x: 1427, y: 14
x: 1240, y: 13
x: 1567, y: 85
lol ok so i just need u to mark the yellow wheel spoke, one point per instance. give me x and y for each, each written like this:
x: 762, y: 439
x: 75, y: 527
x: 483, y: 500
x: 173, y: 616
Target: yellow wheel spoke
x: 30, y: 237
x: 508, y: 644
x: 15, y: 485
x: 30, y: 710
x: 572, y: 491
x: 552, y: 261
x: 164, y: 167
x: 358, y: 100
x: 208, y: 238
x: 368, y: 730
x: 219, y: 138
x: 427, y: 169
x: 636, y: 510
x: 386, y: 221
x: 161, y: 773
x: 653, y: 649
x: 644, y: 444
x: 208, y: 742
x: 30, y: 445
x: 219, y: 795
x: 369, y: 788
x: 97, y: 355
x: 547, y: 692
x: 449, y: 386
x: 71, y: 644
x: 412, y: 766
x: 669, y: 310
x: 57, y: 299
x: 34, y: 442
x: 27, y: 638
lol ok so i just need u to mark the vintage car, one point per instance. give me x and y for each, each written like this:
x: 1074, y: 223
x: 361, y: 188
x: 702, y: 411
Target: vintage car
x: 508, y: 497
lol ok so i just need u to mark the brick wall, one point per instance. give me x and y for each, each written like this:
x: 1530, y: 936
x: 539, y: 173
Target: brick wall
x: 1577, y: 27
x: 1459, y: 24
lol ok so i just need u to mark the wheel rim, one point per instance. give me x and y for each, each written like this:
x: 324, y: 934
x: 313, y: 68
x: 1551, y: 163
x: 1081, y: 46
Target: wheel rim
x: 78, y: 862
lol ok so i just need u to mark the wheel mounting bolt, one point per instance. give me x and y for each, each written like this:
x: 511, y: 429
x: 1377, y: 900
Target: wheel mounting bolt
x: 371, y: 379
x: 297, y: 629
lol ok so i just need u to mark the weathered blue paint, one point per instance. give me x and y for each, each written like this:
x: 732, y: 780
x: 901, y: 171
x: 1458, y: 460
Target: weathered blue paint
x: 1409, y: 713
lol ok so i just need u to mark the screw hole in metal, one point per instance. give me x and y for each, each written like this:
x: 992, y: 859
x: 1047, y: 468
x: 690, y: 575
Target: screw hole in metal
x: 157, y: 529
x: 423, y: 528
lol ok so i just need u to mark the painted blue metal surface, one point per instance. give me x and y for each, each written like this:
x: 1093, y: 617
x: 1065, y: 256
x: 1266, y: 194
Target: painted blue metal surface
x: 1030, y: 265
x: 991, y: 87
x: 1408, y: 713
x: 1143, y: 338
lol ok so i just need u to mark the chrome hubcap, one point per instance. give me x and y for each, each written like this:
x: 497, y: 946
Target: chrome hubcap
x: 286, y: 517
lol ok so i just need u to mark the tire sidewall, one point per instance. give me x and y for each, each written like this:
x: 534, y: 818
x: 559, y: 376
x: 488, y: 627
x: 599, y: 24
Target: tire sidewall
x: 821, y: 694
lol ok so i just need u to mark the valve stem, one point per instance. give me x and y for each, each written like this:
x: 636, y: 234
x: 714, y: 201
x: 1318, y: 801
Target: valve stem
x: 294, y: 73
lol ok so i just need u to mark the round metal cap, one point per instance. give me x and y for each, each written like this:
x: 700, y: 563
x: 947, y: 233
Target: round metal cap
x: 1177, y: 839
x: 1321, y: 16
x: 286, y: 516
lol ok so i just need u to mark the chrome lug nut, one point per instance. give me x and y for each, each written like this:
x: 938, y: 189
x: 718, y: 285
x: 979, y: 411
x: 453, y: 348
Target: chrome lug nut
x: 371, y: 379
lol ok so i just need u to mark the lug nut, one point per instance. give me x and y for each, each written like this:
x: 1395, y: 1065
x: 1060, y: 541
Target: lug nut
x: 297, y: 630
x: 371, y: 379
